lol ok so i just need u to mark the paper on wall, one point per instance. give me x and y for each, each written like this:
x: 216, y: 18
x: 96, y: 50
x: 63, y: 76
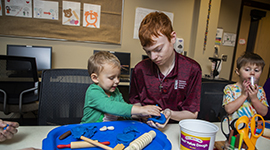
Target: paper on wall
x: 18, y: 8
x: 140, y: 14
x: 91, y: 15
x: 71, y: 13
x: 46, y: 9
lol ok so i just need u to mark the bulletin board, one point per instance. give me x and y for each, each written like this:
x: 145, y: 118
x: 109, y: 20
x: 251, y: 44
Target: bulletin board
x: 109, y: 30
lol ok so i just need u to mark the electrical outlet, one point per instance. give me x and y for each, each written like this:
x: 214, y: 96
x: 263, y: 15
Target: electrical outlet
x: 224, y: 58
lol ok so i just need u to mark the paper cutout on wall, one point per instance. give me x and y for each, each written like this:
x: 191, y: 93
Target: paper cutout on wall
x: 18, y: 8
x: 218, y: 36
x: 229, y: 39
x: 71, y: 13
x: 46, y: 9
x: 91, y: 15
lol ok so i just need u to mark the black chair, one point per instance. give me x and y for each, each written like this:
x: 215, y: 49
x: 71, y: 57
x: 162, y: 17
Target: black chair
x: 211, y: 101
x: 62, y: 95
x: 18, y: 84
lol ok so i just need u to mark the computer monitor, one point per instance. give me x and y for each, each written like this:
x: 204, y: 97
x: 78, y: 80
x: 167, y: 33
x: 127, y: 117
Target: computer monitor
x: 124, y: 59
x: 144, y: 57
x: 41, y: 53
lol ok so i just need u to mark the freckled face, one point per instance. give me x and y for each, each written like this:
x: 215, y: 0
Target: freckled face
x: 108, y: 78
x: 162, y: 51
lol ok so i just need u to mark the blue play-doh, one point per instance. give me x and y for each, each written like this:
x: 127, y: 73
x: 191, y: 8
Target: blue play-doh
x: 125, y: 138
x: 159, y: 119
x: 86, y: 131
x: 6, y: 126
x: 159, y: 142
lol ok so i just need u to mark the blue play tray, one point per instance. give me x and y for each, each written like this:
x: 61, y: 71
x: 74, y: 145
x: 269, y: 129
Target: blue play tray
x: 160, y: 142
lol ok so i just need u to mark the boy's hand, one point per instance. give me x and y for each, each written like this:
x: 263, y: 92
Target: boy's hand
x: 252, y: 91
x: 167, y: 112
x: 245, y: 88
x: 9, y: 131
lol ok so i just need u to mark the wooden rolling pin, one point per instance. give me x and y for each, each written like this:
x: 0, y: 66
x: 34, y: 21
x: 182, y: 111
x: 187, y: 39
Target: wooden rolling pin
x: 80, y: 144
x: 96, y: 143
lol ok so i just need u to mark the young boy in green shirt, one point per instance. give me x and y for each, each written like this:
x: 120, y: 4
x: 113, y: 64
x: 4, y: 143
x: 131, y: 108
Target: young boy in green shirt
x: 103, y: 101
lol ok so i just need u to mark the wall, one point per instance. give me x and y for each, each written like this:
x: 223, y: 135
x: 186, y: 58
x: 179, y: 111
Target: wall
x: 68, y: 54
x: 200, y: 55
x: 228, y: 20
x: 189, y: 23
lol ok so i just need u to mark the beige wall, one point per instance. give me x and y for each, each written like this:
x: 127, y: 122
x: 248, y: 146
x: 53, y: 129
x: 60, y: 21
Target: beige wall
x: 228, y: 20
x: 189, y: 23
x: 200, y: 55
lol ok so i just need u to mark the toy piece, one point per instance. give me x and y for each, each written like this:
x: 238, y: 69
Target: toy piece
x: 96, y: 143
x: 110, y: 127
x: 104, y: 128
x: 6, y: 127
x: 80, y: 144
x: 131, y: 129
x: 119, y: 147
x: 87, y: 131
x: 125, y: 138
x: 142, y: 141
x: 252, y: 80
x: 65, y: 135
x: 159, y: 119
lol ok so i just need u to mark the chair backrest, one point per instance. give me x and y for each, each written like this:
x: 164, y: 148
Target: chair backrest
x: 211, y: 101
x: 62, y: 95
x: 17, y: 74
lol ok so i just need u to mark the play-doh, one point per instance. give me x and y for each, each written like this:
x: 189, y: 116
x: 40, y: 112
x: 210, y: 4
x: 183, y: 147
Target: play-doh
x: 197, y: 134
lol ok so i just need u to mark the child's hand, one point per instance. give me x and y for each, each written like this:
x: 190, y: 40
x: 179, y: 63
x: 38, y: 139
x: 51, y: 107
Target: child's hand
x: 150, y: 110
x: 252, y: 91
x: 167, y: 112
x: 9, y: 131
x: 245, y: 88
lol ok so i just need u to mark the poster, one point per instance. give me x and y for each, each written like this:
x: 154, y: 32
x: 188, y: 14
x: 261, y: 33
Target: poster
x: 91, y: 15
x: 46, y: 9
x: 218, y: 36
x: 140, y: 14
x: 71, y: 13
x: 18, y: 8
x: 229, y: 39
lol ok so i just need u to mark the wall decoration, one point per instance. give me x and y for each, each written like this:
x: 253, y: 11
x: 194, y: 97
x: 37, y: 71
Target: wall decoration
x: 71, y: 13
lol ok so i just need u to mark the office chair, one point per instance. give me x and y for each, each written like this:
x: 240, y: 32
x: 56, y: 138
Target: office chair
x: 62, y: 95
x: 18, y: 84
x: 211, y: 101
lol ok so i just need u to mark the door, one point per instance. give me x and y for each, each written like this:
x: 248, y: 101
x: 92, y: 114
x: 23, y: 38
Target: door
x: 262, y: 44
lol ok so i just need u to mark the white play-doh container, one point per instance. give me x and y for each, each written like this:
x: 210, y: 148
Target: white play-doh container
x: 197, y: 134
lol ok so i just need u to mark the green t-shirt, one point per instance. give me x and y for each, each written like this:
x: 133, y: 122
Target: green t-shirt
x: 97, y: 103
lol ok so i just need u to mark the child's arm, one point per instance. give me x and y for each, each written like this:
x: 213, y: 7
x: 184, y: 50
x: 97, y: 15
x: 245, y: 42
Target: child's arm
x: 234, y: 105
x: 145, y: 110
x: 258, y: 106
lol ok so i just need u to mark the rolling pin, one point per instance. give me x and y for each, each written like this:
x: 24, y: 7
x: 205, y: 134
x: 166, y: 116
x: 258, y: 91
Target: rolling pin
x: 80, y: 144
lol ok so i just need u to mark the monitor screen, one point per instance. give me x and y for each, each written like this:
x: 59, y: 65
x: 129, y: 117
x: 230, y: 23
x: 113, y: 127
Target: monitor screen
x: 42, y: 54
x: 144, y: 57
x: 124, y: 59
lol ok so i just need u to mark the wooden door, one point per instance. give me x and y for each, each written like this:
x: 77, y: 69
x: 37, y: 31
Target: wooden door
x: 262, y: 45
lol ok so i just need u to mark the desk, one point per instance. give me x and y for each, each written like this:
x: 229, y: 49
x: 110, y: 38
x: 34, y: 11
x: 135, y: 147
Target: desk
x: 32, y: 136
